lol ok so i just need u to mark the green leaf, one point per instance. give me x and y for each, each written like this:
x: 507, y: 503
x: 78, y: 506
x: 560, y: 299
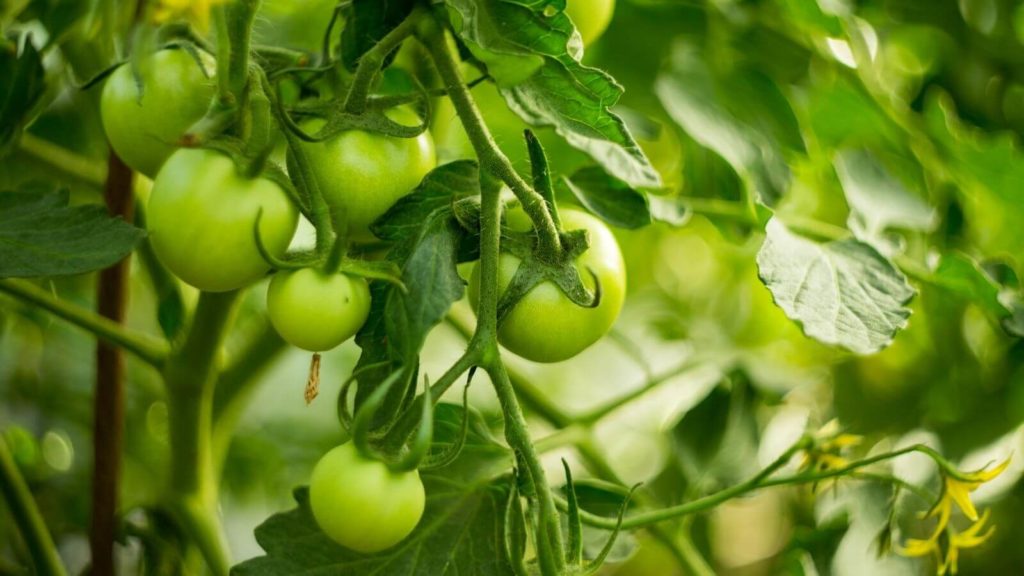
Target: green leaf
x: 610, y: 198
x: 438, y: 190
x: 960, y: 274
x: 842, y: 292
x: 526, y: 48
x: 434, y: 285
x: 21, y: 91
x: 716, y: 441
x: 878, y: 201
x: 366, y: 22
x: 460, y: 533
x: 743, y: 118
x: 482, y: 457
x: 40, y: 235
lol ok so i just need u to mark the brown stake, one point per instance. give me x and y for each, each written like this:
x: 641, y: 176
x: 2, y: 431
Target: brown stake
x: 108, y: 406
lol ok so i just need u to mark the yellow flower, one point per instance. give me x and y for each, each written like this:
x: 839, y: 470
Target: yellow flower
x: 959, y: 489
x: 969, y: 538
x: 195, y: 11
x: 956, y: 490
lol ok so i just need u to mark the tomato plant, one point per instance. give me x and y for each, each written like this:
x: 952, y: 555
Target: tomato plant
x: 339, y: 325
x: 316, y: 310
x: 545, y: 325
x: 360, y: 503
x: 145, y: 118
x: 202, y: 215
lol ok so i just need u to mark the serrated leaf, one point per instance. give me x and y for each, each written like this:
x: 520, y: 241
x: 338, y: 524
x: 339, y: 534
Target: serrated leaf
x: 532, y: 52
x: 40, y: 235
x: 878, y: 201
x: 842, y: 292
x: 434, y: 285
x: 740, y: 132
x: 21, y: 91
x: 439, y: 189
x: 610, y: 198
x: 460, y: 533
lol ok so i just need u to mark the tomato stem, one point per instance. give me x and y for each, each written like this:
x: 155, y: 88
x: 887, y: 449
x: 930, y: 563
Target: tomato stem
x: 491, y: 157
x: 372, y: 60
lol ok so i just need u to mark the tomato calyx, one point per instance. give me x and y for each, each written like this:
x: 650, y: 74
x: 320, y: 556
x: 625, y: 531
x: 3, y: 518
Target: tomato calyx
x: 536, y: 267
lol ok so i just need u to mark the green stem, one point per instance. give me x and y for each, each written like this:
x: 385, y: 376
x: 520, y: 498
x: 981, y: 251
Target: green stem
x: 79, y: 167
x: 549, y: 537
x: 236, y: 384
x: 489, y: 154
x: 190, y: 376
x: 761, y: 480
x: 27, y: 517
x: 147, y: 348
x: 372, y: 60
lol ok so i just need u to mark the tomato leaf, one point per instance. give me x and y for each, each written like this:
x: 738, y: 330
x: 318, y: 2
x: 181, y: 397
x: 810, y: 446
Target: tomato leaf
x: 21, y: 92
x: 609, y: 198
x: 429, y: 241
x: 744, y: 118
x: 40, y: 235
x: 842, y: 292
x: 460, y: 532
x: 366, y: 22
x: 528, y: 47
x: 961, y: 275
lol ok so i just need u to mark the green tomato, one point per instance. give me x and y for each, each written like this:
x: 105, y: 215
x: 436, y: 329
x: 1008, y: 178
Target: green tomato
x: 144, y: 128
x: 201, y: 215
x: 315, y: 310
x: 365, y: 173
x: 591, y: 17
x: 360, y: 503
x: 545, y: 326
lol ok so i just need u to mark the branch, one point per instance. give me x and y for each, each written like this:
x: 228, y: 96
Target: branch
x: 151, y: 350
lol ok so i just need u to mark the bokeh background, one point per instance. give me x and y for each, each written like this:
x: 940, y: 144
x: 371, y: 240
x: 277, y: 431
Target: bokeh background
x: 896, y: 76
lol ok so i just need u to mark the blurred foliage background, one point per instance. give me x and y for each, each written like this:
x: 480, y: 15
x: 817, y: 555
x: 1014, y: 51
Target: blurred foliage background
x: 933, y: 88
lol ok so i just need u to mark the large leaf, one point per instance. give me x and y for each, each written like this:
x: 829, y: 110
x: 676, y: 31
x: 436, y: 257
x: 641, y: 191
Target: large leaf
x: 21, y: 91
x: 842, y: 292
x: 531, y: 50
x: 40, y: 235
x: 461, y: 531
x: 743, y: 118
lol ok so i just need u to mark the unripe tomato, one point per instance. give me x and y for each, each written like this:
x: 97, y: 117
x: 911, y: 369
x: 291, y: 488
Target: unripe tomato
x: 361, y: 504
x: 365, y: 173
x: 545, y: 325
x: 144, y: 128
x: 315, y: 310
x: 201, y: 218
x: 591, y: 17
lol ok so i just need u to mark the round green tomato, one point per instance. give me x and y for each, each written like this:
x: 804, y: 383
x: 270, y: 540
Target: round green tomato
x: 144, y: 128
x: 201, y: 216
x: 365, y: 173
x: 545, y: 326
x: 315, y: 310
x: 591, y: 17
x: 360, y: 503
